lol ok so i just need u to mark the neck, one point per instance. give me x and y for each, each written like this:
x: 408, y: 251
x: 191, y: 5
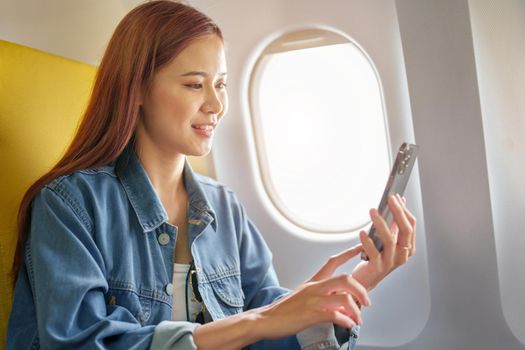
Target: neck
x: 164, y: 169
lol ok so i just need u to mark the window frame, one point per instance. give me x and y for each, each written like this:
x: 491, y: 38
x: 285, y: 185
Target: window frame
x: 297, y: 39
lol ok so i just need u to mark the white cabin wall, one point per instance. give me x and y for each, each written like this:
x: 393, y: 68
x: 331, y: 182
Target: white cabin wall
x: 498, y: 30
x: 439, y: 56
x: 78, y: 30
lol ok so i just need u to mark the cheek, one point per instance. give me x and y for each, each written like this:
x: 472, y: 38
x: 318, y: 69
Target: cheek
x: 225, y: 104
x: 174, y: 106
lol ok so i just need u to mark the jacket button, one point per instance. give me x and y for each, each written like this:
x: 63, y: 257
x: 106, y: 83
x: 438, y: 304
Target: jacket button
x: 169, y: 289
x: 164, y: 238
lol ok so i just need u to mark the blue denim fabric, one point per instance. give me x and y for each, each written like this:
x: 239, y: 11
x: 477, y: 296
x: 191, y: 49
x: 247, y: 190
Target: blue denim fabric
x: 99, y: 265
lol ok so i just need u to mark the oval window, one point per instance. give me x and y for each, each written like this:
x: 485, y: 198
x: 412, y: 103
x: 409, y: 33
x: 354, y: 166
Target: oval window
x: 320, y: 129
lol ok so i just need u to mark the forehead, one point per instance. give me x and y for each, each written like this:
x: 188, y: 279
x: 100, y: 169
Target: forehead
x: 204, y: 54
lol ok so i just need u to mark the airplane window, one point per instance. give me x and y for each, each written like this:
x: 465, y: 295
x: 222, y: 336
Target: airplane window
x: 320, y: 129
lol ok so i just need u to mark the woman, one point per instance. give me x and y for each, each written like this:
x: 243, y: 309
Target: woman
x: 122, y: 246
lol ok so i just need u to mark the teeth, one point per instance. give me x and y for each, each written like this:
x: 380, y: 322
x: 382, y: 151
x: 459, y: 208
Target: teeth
x: 203, y: 127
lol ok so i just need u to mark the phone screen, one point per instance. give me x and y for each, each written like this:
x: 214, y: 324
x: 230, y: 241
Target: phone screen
x: 397, y: 182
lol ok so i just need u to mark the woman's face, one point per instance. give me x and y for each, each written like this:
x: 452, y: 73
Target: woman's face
x: 186, y: 100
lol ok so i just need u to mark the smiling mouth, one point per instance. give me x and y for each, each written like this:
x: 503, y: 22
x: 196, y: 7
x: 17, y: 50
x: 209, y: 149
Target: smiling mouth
x: 203, y: 127
x: 204, y: 130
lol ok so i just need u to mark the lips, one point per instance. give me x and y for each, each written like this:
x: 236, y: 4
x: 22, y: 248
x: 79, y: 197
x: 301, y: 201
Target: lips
x: 203, y: 127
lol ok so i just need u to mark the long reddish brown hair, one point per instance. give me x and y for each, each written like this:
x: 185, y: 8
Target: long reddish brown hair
x: 147, y: 38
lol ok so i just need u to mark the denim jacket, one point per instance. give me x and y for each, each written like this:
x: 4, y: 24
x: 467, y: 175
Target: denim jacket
x: 99, y: 264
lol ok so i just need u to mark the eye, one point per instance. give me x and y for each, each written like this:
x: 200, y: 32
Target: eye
x: 222, y: 85
x: 194, y: 86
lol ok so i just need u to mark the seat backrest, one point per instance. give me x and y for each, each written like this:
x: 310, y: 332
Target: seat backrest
x: 42, y: 97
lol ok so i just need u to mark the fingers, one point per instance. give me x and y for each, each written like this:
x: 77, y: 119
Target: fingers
x: 385, y: 236
x: 394, y: 229
x: 328, y: 269
x: 344, y: 303
x: 333, y: 300
x: 405, y: 246
x: 369, y: 246
x: 413, y: 247
x: 404, y: 238
x: 412, y: 219
x: 345, y: 284
x: 340, y: 319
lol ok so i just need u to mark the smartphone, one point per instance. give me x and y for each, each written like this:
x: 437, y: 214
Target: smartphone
x: 397, y: 182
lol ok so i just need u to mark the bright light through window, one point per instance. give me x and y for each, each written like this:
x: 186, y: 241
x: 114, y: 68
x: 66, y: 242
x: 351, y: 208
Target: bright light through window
x: 321, y: 132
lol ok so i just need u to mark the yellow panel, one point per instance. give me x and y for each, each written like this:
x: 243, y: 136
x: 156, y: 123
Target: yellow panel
x: 42, y: 97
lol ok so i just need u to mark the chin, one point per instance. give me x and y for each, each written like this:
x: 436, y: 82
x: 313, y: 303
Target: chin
x: 199, y: 153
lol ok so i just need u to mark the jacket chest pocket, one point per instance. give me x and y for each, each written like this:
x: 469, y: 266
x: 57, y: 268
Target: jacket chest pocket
x: 227, y: 294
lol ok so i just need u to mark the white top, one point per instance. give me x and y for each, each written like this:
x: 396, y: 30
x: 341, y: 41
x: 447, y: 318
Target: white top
x: 180, y: 271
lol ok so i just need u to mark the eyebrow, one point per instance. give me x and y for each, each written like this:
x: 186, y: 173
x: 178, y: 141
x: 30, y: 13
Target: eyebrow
x: 203, y: 74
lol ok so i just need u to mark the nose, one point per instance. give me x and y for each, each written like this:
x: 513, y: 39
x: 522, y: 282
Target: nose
x: 212, y: 103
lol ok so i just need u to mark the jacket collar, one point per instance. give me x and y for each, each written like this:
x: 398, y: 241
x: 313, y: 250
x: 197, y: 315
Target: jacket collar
x: 145, y: 200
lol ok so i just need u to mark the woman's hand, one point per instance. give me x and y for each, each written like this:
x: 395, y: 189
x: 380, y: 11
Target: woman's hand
x: 320, y: 299
x: 399, y: 244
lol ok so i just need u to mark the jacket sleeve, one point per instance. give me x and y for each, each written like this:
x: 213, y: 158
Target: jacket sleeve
x: 66, y: 277
x: 328, y: 336
x: 261, y: 287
